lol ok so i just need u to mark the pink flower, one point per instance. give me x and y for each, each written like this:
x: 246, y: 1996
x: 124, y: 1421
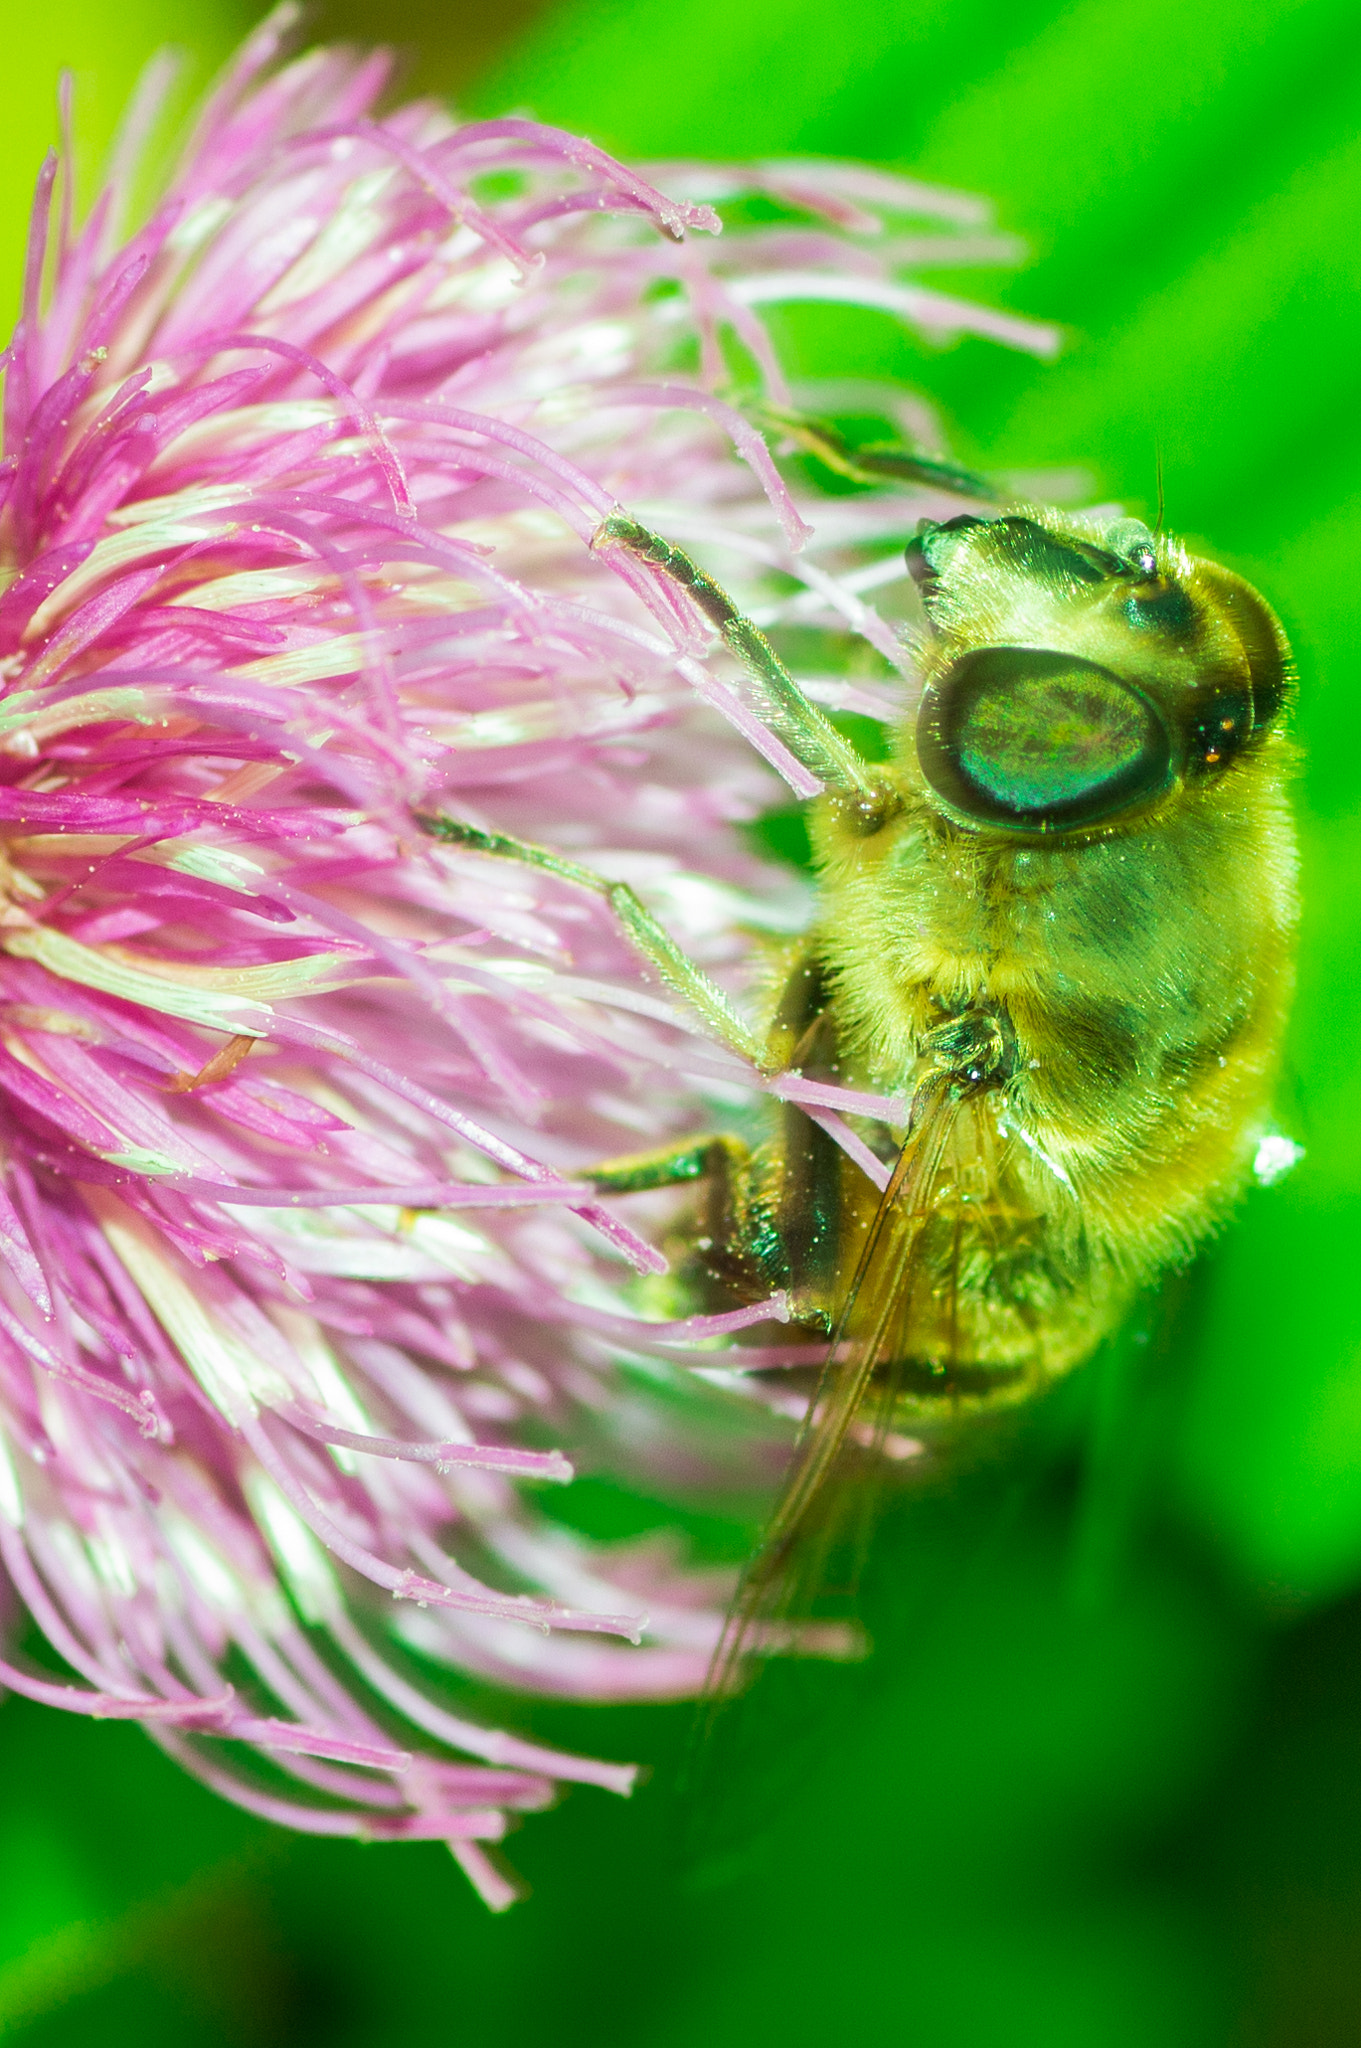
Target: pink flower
x: 299, y: 1279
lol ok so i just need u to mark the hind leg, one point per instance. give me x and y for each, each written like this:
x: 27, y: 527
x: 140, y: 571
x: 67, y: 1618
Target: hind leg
x: 738, y: 1245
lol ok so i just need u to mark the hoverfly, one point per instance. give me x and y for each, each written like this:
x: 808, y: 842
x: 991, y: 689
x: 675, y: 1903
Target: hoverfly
x: 1058, y: 922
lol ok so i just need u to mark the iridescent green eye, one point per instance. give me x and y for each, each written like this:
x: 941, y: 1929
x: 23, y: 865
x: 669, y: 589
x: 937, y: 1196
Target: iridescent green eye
x: 1040, y: 741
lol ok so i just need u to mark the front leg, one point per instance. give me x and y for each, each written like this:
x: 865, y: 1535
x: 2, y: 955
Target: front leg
x: 806, y: 731
x: 862, y: 789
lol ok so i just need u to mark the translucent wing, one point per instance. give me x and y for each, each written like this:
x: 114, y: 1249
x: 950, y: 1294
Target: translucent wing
x: 867, y: 1346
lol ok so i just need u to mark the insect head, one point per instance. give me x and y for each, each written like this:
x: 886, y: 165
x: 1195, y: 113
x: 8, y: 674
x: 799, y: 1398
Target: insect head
x: 1074, y: 679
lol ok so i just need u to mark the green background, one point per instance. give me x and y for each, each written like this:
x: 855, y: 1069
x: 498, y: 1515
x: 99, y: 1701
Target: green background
x: 1101, y: 1783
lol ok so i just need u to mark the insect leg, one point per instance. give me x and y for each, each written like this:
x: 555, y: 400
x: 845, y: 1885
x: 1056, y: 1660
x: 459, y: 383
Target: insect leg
x: 810, y: 1198
x: 805, y: 730
x: 702, y: 1158
x: 655, y: 944
x: 878, y: 462
x: 740, y: 1252
x: 772, y: 1217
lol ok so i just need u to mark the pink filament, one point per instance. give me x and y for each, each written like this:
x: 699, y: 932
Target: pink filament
x: 277, y: 1347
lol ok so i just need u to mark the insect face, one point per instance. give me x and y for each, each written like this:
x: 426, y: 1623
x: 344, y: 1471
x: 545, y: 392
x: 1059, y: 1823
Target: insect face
x: 1075, y: 678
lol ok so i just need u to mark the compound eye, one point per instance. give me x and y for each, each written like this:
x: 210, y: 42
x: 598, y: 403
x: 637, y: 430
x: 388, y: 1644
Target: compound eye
x: 1039, y: 741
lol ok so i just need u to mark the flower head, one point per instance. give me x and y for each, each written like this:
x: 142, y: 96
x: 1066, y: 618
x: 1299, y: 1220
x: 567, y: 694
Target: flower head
x: 301, y: 1284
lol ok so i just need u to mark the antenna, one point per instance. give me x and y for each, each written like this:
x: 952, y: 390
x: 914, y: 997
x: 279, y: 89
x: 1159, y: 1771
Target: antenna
x: 1158, y: 457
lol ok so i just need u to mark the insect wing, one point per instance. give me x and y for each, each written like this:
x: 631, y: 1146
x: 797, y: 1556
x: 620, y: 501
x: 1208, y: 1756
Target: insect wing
x: 862, y: 1362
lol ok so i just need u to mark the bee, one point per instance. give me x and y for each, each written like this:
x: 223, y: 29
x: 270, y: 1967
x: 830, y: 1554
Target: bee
x: 1058, y: 923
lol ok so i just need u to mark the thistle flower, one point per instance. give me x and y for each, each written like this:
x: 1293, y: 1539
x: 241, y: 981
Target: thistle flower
x: 301, y: 1283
